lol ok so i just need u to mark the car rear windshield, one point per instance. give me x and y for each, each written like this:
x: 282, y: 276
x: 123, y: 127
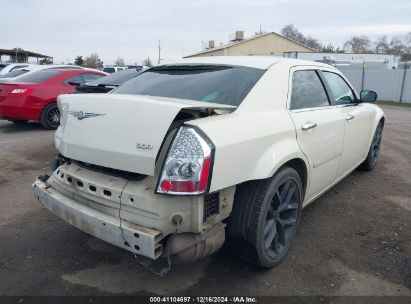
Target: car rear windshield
x: 14, y: 73
x: 39, y: 76
x: 116, y: 78
x: 211, y: 83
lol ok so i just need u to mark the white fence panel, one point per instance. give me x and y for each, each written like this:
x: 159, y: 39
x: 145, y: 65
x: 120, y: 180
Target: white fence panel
x: 406, y: 95
x: 387, y: 83
x: 354, y: 77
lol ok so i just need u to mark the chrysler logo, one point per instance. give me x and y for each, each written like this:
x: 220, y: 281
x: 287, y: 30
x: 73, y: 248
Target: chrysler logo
x: 81, y: 115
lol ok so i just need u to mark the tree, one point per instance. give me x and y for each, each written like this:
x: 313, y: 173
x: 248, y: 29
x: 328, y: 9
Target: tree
x: 119, y: 61
x: 291, y: 32
x: 396, y: 47
x: 79, y: 61
x: 45, y: 61
x: 312, y: 43
x: 382, y: 45
x: 147, y: 62
x: 406, y: 56
x: 358, y: 44
x: 331, y: 49
x: 93, y: 61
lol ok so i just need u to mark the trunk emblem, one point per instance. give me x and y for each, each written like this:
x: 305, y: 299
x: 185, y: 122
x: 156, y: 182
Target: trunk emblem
x: 81, y: 115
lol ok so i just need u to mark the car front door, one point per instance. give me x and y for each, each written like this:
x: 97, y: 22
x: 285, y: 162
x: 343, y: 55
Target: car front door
x: 319, y: 128
x: 357, y: 121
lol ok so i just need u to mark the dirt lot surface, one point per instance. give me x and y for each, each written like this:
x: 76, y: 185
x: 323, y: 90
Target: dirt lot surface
x: 354, y: 240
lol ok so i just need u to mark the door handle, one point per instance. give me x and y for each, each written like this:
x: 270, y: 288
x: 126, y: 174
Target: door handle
x: 349, y: 117
x: 308, y: 125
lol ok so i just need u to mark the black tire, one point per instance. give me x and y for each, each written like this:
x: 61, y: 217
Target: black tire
x: 256, y: 205
x: 374, y: 151
x: 50, y: 117
x: 19, y: 122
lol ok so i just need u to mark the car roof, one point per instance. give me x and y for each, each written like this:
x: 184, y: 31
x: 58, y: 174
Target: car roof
x: 259, y: 62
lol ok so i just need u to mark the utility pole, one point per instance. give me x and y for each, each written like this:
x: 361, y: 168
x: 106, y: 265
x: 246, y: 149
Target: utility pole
x: 159, y: 52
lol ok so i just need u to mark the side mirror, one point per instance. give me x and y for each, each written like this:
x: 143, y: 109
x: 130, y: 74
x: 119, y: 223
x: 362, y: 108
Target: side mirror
x: 368, y: 96
x: 73, y: 83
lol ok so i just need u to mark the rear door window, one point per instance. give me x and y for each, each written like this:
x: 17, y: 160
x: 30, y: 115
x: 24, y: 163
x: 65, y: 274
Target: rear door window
x: 307, y: 90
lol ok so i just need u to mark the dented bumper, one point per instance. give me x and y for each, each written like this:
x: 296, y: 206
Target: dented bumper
x: 138, y: 239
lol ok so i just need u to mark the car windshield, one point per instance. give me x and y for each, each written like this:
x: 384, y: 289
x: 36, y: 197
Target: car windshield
x: 211, y: 83
x: 14, y: 73
x: 115, y: 78
x: 39, y: 76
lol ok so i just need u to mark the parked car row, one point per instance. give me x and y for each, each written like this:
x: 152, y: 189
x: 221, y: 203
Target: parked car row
x: 114, y: 69
x: 30, y: 92
x: 108, y: 83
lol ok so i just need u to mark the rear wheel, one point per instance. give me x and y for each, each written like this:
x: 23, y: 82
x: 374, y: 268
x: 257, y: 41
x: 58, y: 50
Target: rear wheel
x: 374, y: 152
x: 50, y: 117
x: 265, y: 217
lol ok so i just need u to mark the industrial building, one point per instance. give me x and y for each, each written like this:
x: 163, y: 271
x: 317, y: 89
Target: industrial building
x: 261, y: 44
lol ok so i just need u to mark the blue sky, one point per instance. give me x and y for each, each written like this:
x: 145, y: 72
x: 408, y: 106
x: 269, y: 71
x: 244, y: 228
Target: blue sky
x: 131, y: 28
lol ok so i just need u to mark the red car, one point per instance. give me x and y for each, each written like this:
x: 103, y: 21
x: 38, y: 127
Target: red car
x: 34, y: 96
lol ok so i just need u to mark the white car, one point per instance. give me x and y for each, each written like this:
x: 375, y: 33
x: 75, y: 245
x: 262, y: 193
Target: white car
x: 190, y: 153
x: 6, y: 68
x: 32, y: 68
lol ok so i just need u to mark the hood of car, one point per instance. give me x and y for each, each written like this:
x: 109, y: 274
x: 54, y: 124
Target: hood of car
x: 118, y: 131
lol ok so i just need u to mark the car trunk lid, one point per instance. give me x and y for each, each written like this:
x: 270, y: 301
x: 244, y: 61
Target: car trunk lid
x: 7, y: 87
x: 119, y: 131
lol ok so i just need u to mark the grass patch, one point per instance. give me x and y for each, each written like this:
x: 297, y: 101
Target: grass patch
x: 393, y: 103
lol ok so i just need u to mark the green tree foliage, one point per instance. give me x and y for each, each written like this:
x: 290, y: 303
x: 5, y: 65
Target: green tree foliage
x: 79, y: 61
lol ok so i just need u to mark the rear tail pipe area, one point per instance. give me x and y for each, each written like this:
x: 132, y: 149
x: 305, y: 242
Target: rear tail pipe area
x: 186, y: 248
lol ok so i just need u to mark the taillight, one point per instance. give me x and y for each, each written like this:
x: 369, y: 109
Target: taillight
x: 188, y: 164
x: 21, y: 91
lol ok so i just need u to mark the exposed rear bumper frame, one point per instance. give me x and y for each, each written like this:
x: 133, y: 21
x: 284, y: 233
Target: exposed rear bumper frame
x: 137, y: 239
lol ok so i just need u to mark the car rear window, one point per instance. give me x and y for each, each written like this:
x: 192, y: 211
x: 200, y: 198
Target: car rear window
x: 39, y: 76
x: 211, y: 83
x: 116, y: 78
x: 14, y: 73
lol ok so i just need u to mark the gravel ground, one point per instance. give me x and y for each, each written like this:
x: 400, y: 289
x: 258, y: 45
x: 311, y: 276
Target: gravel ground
x: 354, y: 240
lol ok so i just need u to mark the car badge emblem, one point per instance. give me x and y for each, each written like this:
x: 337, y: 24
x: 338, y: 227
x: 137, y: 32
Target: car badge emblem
x: 81, y: 115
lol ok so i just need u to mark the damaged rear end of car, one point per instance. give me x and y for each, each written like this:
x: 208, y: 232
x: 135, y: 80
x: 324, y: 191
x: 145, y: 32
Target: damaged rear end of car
x: 134, y: 172
x: 133, y: 179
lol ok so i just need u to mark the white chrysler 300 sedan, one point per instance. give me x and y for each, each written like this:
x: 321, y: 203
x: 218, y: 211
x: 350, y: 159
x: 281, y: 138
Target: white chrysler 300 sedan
x: 191, y: 153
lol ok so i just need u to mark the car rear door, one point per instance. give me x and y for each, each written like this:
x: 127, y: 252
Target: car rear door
x: 356, y: 117
x: 319, y: 127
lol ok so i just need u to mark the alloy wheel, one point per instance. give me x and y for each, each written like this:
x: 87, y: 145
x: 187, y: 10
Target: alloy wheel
x: 281, y: 219
x: 53, y: 117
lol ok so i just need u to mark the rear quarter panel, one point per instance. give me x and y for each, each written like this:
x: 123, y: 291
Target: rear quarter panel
x: 249, y: 146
